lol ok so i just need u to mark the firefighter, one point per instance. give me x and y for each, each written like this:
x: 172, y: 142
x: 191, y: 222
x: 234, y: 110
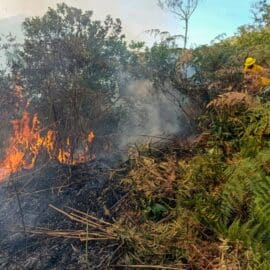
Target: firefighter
x: 256, y: 77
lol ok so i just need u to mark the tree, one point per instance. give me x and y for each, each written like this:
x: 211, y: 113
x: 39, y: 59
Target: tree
x: 70, y: 67
x: 183, y: 9
x: 261, y: 13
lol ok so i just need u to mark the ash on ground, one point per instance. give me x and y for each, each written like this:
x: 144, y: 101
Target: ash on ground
x: 24, y: 203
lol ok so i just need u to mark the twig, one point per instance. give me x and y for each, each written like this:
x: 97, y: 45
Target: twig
x: 79, y: 234
x: 83, y: 220
x: 146, y: 267
x: 90, y: 216
x: 22, y: 216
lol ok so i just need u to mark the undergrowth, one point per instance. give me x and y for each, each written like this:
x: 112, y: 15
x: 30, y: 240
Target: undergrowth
x: 206, y: 208
x: 211, y: 211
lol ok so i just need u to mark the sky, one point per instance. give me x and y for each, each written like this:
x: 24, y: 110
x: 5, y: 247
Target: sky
x: 210, y: 19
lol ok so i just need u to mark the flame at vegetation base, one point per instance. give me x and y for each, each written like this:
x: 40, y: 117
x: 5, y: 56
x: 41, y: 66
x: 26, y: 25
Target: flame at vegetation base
x: 27, y: 142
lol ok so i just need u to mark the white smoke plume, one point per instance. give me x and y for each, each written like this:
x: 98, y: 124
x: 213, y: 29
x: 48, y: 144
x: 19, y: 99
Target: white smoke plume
x: 151, y: 114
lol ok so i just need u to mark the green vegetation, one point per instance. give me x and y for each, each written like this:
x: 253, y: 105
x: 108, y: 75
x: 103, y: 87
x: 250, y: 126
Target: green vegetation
x: 204, y: 204
x: 209, y: 210
x: 216, y: 200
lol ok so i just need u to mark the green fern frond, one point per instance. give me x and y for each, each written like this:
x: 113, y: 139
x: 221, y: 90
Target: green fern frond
x: 237, y: 190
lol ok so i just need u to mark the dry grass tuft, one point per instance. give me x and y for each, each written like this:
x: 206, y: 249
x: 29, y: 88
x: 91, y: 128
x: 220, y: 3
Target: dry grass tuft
x: 155, y: 176
x: 231, y: 101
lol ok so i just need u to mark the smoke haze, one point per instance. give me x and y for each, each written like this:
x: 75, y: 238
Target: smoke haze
x: 150, y: 114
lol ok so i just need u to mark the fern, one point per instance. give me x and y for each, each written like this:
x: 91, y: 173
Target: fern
x: 257, y: 129
x: 237, y: 191
x: 248, y: 187
x: 248, y: 237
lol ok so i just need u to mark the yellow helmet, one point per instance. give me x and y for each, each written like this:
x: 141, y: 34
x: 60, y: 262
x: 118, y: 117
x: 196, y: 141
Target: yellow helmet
x: 249, y: 61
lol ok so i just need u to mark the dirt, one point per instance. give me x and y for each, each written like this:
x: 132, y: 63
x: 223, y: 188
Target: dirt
x: 24, y: 201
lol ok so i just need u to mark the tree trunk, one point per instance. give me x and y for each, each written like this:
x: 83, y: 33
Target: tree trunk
x: 186, y: 34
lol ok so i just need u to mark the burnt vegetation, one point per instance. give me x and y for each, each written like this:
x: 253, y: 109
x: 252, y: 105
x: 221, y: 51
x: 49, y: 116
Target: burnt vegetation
x: 122, y: 156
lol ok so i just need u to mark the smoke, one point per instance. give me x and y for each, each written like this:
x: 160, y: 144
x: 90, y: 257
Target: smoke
x: 151, y: 115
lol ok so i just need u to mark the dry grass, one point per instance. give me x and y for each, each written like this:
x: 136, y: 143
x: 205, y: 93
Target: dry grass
x: 154, y: 176
x: 151, y: 245
x: 231, y: 101
x: 177, y: 240
x: 135, y: 244
x: 97, y: 229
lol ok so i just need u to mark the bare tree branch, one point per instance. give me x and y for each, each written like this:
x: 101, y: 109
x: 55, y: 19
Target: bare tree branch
x: 183, y: 9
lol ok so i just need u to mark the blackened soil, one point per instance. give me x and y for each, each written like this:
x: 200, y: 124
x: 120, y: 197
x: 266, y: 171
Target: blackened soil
x: 25, y: 198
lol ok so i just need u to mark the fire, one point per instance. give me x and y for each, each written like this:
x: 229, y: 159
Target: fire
x: 26, y: 143
x: 67, y: 156
x: 23, y: 147
x: 90, y: 136
x: 19, y: 91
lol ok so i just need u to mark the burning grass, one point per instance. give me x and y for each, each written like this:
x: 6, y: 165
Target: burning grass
x: 180, y: 210
x: 27, y: 141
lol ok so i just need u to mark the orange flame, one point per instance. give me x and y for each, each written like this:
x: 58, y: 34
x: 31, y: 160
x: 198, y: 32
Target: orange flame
x: 90, y: 136
x: 23, y: 147
x: 19, y: 91
x: 27, y: 142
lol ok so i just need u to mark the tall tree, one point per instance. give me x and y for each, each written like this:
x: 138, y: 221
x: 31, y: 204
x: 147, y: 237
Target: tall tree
x: 261, y: 13
x: 183, y: 9
x: 70, y: 65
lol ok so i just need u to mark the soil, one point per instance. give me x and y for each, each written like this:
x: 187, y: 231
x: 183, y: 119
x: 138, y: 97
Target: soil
x: 24, y: 200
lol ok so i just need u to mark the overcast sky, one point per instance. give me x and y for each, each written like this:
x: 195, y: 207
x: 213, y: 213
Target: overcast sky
x: 212, y: 17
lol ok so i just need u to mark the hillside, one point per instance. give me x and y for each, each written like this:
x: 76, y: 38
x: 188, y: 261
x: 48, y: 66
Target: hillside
x: 116, y: 156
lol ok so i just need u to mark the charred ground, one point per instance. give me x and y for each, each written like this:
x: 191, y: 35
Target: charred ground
x: 88, y: 187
